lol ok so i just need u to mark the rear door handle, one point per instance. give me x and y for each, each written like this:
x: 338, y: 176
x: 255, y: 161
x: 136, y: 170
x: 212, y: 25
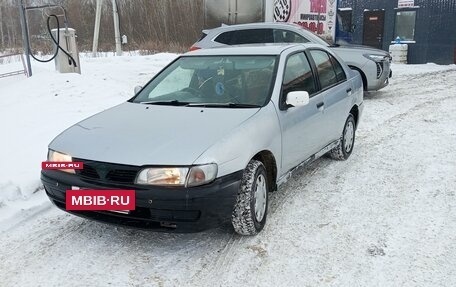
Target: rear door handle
x: 319, y: 105
x: 349, y: 90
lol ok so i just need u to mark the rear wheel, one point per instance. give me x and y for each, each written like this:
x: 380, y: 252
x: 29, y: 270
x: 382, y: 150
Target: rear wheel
x: 347, y: 140
x: 250, y: 209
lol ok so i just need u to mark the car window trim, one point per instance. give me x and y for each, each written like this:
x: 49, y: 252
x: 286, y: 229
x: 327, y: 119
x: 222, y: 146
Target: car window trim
x: 131, y: 100
x: 331, y: 59
x: 271, y: 85
x: 291, y: 31
x: 282, y: 99
x: 233, y: 37
x: 314, y: 66
x: 222, y: 32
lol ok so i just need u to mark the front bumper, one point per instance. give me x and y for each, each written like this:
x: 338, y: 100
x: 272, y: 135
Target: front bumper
x: 159, y: 208
x: 379, y: 74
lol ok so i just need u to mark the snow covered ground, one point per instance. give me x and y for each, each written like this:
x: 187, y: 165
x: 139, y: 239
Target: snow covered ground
x: 385, y: 217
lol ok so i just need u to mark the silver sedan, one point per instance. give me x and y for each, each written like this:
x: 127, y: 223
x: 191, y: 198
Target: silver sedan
x: 207, y: 139
x: 372, y: 64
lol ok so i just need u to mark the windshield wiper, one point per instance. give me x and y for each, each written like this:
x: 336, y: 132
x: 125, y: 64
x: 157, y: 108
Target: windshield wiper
x: 166, y: 103
x: 222, y: 105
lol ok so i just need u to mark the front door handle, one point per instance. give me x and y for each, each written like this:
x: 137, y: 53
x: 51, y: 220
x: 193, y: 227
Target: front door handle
x: 349, y: 90
x: 319, y: 105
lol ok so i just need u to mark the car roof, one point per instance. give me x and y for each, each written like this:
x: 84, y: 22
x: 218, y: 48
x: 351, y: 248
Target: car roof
x: 254, y: 25
x: 251, y: 49
x: 268, y: 25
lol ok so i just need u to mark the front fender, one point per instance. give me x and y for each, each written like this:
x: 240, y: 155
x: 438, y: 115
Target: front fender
x: 234, y: 151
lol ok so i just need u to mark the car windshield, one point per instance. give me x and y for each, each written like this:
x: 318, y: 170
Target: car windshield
x: 212, y: 81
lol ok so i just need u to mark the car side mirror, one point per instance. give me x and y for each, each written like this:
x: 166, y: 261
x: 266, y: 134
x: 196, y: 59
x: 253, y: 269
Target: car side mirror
x: 297, y: 98
x: 137, y: 89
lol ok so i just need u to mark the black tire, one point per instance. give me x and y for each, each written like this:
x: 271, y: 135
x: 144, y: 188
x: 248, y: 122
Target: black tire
x: 345, y: 147
x: 246, y: 219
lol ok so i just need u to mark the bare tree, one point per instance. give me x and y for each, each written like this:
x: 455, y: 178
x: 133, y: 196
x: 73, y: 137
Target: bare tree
x: 151, y: 25
x: 2, y: 37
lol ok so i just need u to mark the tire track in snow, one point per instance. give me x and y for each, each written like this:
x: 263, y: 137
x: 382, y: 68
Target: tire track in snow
x: 303, y: 176
x: 373, y: 138
x: 211, y: 274
x: 402, y: 95
x: 218, y: 269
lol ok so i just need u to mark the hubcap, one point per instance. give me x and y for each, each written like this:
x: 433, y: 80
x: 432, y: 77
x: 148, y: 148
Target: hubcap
x: 260, y: 197
x: 348, y: 137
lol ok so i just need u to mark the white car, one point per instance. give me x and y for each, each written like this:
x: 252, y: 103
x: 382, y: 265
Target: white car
x: 372, y: 64
x: 209, y: 137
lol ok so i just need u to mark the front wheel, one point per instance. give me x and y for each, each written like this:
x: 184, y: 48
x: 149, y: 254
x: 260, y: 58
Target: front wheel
x: 250, y: 209
x: 347, y: 140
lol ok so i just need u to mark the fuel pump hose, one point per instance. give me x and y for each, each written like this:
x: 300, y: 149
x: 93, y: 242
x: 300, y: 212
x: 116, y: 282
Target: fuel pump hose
x: 71, y: 60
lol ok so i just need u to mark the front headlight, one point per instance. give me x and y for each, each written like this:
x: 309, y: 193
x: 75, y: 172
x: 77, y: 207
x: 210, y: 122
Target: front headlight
x: 375, y: 57
x: 201, y: 174
x: 58, y: 156
x: 55, y: 156
x: 177, y: 176
x: 162, y: 176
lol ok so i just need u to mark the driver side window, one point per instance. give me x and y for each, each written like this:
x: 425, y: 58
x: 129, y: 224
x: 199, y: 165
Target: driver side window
x: 298, y: 75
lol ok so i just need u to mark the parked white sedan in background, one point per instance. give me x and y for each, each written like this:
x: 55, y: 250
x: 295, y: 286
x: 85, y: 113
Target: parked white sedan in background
x: 210, y: 135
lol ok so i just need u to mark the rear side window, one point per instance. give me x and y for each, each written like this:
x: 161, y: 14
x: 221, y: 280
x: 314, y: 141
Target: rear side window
x: 284, y: 36
x: 225, y: 38
x: 340, y: 73
x: 203, y: 35
x: 298, y: 75
x: 325, y: 70
x: 252, y: 36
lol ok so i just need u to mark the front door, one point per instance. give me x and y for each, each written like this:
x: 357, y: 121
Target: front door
x: 373, y: 28
x: 301, y: 126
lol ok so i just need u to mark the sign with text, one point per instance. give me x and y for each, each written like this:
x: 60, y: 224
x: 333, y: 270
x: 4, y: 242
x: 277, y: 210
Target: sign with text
x: 62, y: 165
x: 97, y: 199
x: 405, y: 3
x: 319, y: 16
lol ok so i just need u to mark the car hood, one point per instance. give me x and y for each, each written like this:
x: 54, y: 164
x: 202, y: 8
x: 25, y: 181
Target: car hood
x: 138, y: 134
x: 365, y: 49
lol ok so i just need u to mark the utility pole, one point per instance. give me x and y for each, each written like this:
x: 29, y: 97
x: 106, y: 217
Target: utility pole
x: 25, y: 38
x: 116, y: 28
x: 96, y: 30
x: 1, y: 28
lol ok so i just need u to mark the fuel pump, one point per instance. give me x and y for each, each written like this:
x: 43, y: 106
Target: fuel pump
x: 65, y: 54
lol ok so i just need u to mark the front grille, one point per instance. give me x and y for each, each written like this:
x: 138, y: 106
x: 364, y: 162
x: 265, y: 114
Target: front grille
x: 379, y: 69
x: 89, y: 172
x: 107, y: 172
x: 119, y: 175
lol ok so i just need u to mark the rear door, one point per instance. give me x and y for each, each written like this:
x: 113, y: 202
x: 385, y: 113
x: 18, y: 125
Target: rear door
x: 336, y: 91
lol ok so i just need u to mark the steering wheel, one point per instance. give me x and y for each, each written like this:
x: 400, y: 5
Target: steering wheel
x: 207, y: 81
x: 193, y: 91
x: 226, y: 95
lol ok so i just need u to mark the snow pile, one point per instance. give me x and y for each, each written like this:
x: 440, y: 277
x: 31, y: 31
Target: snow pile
x: 34, y: 110
x: 384, y: 217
